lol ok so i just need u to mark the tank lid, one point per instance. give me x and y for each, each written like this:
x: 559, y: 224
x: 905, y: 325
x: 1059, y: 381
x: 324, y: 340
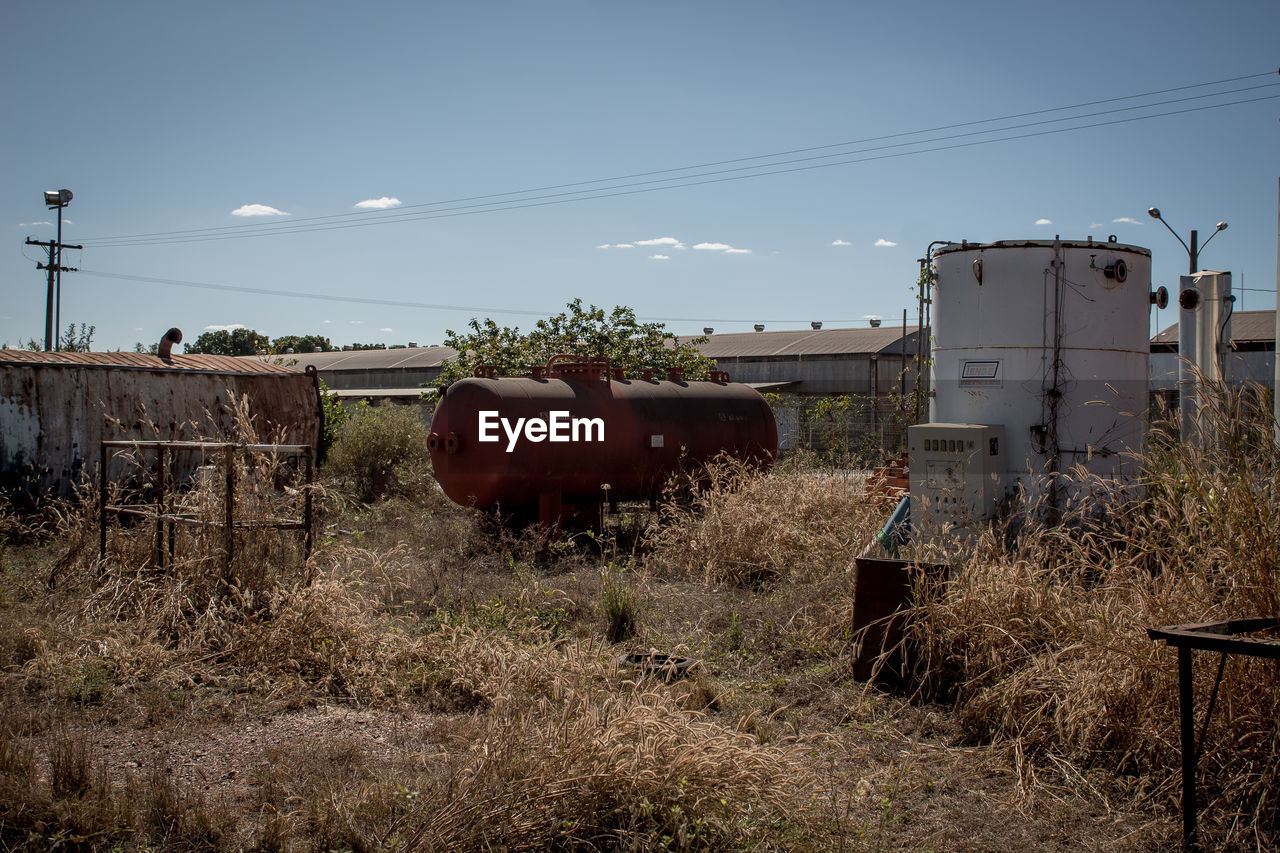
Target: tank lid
x: 1098, y: 245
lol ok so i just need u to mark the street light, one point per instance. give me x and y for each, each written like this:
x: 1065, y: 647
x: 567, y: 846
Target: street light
x: 1194, y: 249
x: 53, y: 315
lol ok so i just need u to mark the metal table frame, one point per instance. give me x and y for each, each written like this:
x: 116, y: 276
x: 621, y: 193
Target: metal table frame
x: 165, y: 520
x: 1222, y: 637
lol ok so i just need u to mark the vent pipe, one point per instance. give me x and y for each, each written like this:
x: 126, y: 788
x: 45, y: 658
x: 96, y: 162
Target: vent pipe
x: 165, y: 348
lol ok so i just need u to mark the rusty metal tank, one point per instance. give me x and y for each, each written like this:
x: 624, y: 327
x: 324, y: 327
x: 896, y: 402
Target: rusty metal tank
x: 578, y: 432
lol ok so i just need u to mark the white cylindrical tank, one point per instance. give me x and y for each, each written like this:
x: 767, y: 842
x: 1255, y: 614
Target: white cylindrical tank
x: 1049, y: 339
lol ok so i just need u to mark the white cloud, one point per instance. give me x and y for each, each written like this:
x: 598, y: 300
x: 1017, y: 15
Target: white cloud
x: 1127, y: 220
x: 378, y: 203
x: 661, y: 241
x: 1095, y: 224
x: 659, y: 257
x: 355, y: 322
x: 386, y: 330
x: 616, y: 246
x: 34, y: 224
x: 228, y: 328
x: 721, y: 247
x: 257, y: 210
x: 1043, y: 221
x: 841, y: 243
x: 326, y: 321
x: 885, y: 243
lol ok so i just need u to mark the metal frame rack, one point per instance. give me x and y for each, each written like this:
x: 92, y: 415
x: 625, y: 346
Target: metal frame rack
x: 1222, y: 637
x: 161, y: 510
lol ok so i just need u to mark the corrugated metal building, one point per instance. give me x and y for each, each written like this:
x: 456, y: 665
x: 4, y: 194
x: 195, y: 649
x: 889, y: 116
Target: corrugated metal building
x: 819, y: 361
x: 55, y: 407
x: 869, y: 364
x: 376, y: 374
x: 1251, y: 360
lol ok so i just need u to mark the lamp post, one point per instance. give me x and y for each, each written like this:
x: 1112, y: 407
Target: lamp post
x: 53, y: 306
x: 1194, y: 249
x: 1204, y: 328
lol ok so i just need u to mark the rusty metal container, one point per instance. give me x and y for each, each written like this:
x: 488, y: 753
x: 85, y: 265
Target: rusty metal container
x: 56, y: 407
x: 577, y: 433
x: 882, y: 590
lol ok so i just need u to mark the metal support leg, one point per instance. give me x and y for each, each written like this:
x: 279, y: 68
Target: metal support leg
x: 1186, y: 709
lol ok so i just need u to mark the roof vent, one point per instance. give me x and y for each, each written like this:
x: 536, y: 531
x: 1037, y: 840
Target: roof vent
x: 165, y: 348
x: 816, y: 324
x: 759, y: 327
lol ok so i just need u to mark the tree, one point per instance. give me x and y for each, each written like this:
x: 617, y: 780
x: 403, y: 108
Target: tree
x: 71, y: 340
x: 239, y: 341
x: 300, y: 344
x: 618, y: 336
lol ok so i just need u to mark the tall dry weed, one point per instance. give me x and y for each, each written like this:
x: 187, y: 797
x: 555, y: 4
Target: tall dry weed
x: 630, y: 771
x: 1040, y: 635
x: 744, y: 527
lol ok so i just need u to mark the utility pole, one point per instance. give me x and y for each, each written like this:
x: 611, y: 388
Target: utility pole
x: 55, y: 268
x: 53, y: 301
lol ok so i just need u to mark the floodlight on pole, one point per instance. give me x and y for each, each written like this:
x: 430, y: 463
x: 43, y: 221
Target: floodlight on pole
x: 1193, y: 251
x: 55, y: 199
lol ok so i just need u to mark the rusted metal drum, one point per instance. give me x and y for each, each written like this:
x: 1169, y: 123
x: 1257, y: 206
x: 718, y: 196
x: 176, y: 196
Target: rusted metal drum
x: 578, y: 433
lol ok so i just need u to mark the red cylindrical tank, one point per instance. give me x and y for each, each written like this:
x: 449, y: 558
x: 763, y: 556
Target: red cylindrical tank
x: 561, y: 438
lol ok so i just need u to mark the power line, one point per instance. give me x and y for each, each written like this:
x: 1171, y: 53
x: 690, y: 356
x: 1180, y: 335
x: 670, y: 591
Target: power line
x: 426, y: 306
x: 712, y: 163
x: 635, y: 189
x: 342, y: 221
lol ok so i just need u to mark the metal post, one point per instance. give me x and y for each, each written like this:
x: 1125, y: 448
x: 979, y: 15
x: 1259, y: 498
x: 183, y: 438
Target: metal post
x: 919, y: 335
x: 161, y: 459
x: 57, y: 286
x: 102, y: 502
x: 306, y: 510
x: 49, y: 340
x: 1194, y: 252
x: 1186, y: 712
x: 228, y: 518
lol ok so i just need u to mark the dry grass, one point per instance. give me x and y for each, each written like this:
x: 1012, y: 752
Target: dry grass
x: 513, y: 726
x: 1040, y: 641
x: 743, y: 528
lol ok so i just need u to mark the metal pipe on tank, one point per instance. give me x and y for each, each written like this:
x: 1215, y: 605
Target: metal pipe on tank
x: 1204, y: 335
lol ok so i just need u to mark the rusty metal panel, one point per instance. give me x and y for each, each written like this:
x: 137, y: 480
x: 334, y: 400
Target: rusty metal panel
x: 53, y: 413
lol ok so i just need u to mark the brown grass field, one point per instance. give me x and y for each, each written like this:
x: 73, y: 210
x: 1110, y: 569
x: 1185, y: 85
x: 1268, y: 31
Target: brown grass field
x: 426, y: 684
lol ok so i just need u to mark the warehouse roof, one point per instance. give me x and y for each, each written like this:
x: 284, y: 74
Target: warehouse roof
x: 804, y: 342
x: 1246, y: 327
x: 374, y: 359
x: 145, y: 361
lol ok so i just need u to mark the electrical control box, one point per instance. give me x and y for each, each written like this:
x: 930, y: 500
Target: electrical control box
x: 956, y: 473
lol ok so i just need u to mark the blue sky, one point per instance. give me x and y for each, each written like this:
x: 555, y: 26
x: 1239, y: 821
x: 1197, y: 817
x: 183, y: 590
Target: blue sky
x: 174, y: 117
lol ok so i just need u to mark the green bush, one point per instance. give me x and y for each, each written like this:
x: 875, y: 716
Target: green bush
x: 379, y: 451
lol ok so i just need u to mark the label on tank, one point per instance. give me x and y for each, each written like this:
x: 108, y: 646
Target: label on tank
x: 980, y: 373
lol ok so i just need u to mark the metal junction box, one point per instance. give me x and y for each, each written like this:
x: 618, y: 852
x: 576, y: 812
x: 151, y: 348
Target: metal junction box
x: 956, y: 472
